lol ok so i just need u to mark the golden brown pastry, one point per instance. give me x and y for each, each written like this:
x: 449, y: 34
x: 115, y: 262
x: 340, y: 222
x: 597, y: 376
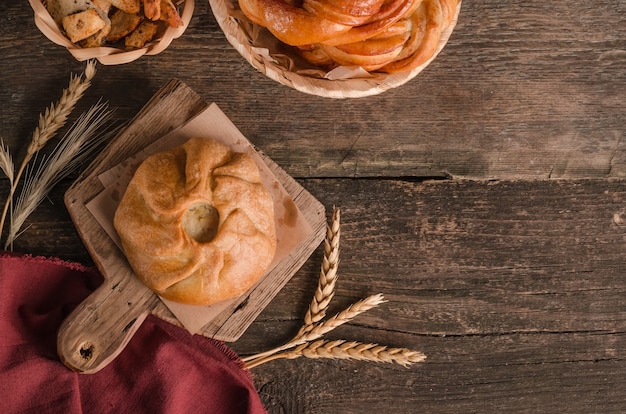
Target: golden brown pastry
x: 197, y: 224
x: 291, y: 24
x: 378, y: 35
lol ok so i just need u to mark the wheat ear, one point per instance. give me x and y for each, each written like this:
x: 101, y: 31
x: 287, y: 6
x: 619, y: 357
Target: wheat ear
x: 53, y: 119
x: 328, y: 276
x: 84, y: 137
x: 354, y: 310
x: 342, y: 349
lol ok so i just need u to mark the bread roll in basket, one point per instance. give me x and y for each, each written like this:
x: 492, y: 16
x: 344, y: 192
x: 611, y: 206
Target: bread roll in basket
x: 111, y: 54
x: 257, y: 30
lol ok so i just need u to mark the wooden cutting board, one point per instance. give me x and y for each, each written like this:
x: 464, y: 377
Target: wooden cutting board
x: 99, y: 328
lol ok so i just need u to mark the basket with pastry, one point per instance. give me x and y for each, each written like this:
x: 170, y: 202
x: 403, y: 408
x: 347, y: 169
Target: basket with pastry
x: 112, y: 31
x: 338, y: 48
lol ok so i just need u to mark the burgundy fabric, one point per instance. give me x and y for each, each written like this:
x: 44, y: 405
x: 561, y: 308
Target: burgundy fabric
x: 163, y: 369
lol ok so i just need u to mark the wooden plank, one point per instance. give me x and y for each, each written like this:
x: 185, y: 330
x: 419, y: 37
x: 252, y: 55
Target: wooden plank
x: 514, y: 290
x: 533, y: 90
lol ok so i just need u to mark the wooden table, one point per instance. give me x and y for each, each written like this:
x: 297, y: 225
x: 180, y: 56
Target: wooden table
x: 486, y: 199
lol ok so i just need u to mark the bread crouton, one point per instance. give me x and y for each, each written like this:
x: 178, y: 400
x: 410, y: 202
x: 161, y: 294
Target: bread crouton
x: 144, y: 33
x: 81, y: 25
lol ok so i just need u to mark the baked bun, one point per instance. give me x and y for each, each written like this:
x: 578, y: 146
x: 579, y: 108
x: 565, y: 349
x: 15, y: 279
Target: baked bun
x: 197, y: 224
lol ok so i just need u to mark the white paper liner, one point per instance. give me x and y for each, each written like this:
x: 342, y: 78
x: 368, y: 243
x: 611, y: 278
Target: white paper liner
x: 212, y: 123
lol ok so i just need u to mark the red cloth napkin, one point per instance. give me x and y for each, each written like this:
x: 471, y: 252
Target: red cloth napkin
x: 163, y: 369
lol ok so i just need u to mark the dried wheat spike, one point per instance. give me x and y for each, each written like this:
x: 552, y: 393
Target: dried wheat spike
x: 315, y: 327
x: 342, y: 317
x: 328, y: 275
x: 318, y: 330
x: 341, y: 349
x: 53, y: 119
x: 56, y: 115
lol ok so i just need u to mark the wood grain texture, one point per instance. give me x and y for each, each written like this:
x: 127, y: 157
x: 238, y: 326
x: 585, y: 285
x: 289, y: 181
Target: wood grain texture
x: 523, y: 90
x: 515, y: 292
x: 508, y: 272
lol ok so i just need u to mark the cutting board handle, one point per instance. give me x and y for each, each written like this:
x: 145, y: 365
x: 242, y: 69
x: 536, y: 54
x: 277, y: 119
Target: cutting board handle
x: 101, y: 326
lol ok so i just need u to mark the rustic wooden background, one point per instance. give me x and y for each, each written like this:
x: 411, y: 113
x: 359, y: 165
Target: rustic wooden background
x: 486, y: 199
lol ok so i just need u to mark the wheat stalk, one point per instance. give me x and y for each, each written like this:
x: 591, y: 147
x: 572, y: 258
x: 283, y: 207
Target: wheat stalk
x: 78, y: 144
x: 328, y: 275
x: 53, y: 119
x: 341, y: 349
x: 306, y: 342
x: 354, y: 310
x: 320, y: 329
x: 325, y: 287
x: 56, y: 115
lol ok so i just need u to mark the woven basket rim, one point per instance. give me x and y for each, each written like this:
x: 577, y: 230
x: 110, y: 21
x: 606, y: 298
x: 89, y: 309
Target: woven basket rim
x: 108, y: 55
x: 338, y: 88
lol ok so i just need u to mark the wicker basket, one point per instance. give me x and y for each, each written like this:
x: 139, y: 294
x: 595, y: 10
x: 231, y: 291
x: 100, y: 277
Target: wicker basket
x: 108, y: 55
x: 283, y: 65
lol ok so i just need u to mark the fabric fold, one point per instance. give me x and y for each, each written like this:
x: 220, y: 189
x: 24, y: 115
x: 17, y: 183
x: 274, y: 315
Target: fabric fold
x: 163, y: 369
